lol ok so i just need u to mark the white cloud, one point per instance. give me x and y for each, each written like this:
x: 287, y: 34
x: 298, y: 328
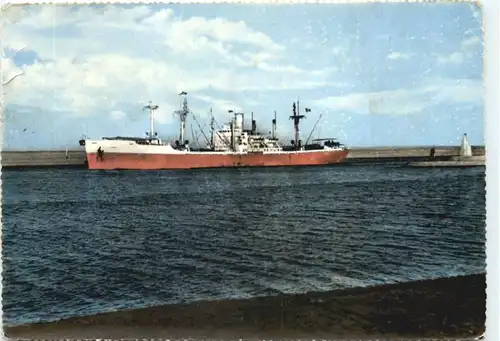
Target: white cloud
x: 221, y: 104
x: 459, y: 91
x: 471, y: 42
x: 398, y: 55
x: 105, y: 59
x: 218, y: 31
x: 117, y: 114
x: 467, y: 48
x: 406, y: 101
x: 338, y: 50
x: 9, y: 71
x: 396, y: 102
x: 453, y: 58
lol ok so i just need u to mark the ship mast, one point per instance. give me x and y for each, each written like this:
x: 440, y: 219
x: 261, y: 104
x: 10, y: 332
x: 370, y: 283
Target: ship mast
x: 298, y: 106
x: 212, y: 128
x: 274, y: 125
x: 296, y: 117
x: 233, y: 121
x: 151, y: 108
x: 183, y: 112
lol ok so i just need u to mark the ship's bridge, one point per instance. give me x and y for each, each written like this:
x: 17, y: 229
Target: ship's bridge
x: 263, y: 144
x: 325, y: 143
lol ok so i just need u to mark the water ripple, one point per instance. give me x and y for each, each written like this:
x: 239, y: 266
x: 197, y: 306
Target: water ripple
x: 77, y: 242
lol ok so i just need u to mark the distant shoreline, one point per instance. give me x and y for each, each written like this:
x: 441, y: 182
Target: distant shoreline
x: 436, y: 308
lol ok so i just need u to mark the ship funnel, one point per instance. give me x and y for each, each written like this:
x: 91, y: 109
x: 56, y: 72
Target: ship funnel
x: 238, y: 121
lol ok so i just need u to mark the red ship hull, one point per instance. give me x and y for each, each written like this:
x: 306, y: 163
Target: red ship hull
x: 214, y: 160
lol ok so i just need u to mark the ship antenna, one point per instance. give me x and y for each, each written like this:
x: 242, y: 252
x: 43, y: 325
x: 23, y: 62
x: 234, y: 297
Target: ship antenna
x: 296, y: 121
x: 151, y: 108
x: 183, y: 112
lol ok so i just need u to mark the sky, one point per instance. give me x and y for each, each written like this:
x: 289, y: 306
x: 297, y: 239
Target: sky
x: 379, y: 74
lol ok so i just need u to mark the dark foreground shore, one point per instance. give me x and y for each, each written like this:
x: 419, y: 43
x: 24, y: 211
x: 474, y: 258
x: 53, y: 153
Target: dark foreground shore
x: 448, y: 307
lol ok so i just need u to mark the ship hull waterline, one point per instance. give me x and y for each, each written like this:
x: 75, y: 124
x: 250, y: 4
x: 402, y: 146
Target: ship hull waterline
x: 143, y: 161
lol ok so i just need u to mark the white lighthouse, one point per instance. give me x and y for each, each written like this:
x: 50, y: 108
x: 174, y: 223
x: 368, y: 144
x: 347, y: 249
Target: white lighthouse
x: 465, y: 147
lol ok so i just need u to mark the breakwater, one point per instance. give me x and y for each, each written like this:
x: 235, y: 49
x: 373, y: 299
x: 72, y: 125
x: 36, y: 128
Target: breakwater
x: 43, y: 158
x: 76, y: 158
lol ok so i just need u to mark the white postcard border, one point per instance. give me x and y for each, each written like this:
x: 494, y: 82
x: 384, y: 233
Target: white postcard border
x: 491, y: 24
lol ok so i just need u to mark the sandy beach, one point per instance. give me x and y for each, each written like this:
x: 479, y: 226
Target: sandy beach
x: 448, y: 307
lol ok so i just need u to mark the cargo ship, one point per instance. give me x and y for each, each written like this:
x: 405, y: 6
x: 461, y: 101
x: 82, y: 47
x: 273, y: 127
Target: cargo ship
x: 230, y: 146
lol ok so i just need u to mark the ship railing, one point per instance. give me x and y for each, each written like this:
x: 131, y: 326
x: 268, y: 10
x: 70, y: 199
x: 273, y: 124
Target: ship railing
x: 269, y: 149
